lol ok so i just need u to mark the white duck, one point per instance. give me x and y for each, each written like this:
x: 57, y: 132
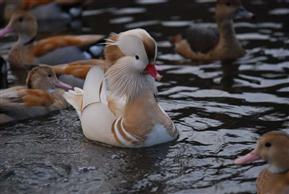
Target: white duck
x: 119, y: 107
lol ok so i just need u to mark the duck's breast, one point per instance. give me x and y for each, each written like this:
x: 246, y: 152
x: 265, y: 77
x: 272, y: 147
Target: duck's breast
x: 19, y: 56
x: 274, y: 183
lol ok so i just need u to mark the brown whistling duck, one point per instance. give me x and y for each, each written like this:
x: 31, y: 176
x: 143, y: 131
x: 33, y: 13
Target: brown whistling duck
x: 40, y: 96
x: 74, y: 73
x: 53, y: 50
x: 273, y: 147
x: 205, y: 44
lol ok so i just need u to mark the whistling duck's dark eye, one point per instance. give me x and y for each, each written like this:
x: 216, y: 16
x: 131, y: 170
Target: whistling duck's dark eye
x: 20, y: 19
x: 268, y: 144
x: 228, y: 4
x: 49, y: 75
x: 137, y: 57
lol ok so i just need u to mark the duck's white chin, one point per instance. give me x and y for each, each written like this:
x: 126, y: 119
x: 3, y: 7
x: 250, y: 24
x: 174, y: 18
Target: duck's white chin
x: 275, y: 170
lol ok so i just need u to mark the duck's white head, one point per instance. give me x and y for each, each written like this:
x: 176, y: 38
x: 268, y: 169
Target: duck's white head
x: 148, y: 41
x: 135, y: 71
x: 113, y: 53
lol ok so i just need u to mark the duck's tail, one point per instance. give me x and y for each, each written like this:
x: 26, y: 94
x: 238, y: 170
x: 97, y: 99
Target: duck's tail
x: 75, y: 98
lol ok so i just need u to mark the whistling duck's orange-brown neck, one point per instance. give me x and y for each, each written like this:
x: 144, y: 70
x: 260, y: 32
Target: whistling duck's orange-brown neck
x: 228, y: 44
x: 226, y: 30
x: 226, y: 11
x: 28, y: 36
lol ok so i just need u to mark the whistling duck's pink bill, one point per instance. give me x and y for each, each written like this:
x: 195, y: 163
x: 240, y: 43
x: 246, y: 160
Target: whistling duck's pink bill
x: 5, y: 31
x: 62, y: 85
x: 248, y: 158
x: 151, y: 69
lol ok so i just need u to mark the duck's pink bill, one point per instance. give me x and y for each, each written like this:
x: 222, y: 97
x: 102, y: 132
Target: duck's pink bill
x: 5, y: 31
x: 248, y: 158
x: 151, y: 69
x: 62, y: 85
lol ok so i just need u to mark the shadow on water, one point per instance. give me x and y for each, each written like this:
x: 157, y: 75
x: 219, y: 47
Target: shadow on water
x: 220, y: 109
x: 3, y: 74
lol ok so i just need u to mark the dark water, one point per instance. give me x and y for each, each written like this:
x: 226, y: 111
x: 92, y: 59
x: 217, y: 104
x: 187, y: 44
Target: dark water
x: 219, y: 109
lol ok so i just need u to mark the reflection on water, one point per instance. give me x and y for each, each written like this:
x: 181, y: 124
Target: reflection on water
x: 220, y: 109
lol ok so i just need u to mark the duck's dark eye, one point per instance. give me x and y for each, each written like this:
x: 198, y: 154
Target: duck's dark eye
x: 49, y: 75
x: 268, y: 144
x: 228, y: 4
x: 20, y: 19
x: 137, y: 57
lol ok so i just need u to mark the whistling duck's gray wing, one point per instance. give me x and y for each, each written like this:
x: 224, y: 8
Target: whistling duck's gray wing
x: 201, y: 38
x: 71, y: 80
x: 50, y: 11
x: 70, y: 54
x: 62, y: 55
x: 13, y: 108
x: 15, y: 112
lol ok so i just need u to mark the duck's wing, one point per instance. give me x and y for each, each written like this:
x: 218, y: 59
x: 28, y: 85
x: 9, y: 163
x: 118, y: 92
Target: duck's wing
x: 28, y: 97
x: 72, y: 80
x: 201, y: 39
x: 95, y: 87
x: 12, y: 94
x: 78, y: 69
x: 47, y: 45
x: 94, y: 91
x: 10, y: 112
x: 62, y: 55
x: 75, y: 73
x: 19, y: 103
x: 28, y: 4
